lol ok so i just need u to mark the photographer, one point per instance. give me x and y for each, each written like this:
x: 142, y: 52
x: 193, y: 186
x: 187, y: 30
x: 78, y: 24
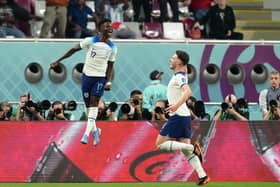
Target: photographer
x: 159, y: 114
x: 132, y: 110
x: 228, y: 111
x: 199, y: 111
x: 273, y: 111
x: 242, y: 107
x: 106, y: 113
x: 27, y: 110
x: 6, y: 110
x: 57, y: 110
x: 190, y: 103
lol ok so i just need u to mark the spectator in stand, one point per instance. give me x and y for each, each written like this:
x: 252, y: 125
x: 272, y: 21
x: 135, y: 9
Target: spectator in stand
x: 122, y: 31
x: 147, y: 7
x: 78, y: 18
x: 221, y: 21
x: 10, y: 12
x: 29, y: 6
x: 155, y: 91
x: 132, y: 109
x: 6, y: 111
x: 228, y: 110
x: 164, y: 10
x: 272, y: 93
x: 55, y: 16
x: 26, y: 110
x: 199, y: 7
x: 97, y: 6
x: 273, y: 111
x: 114, y: 10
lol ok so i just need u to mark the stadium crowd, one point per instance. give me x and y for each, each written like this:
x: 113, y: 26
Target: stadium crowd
x: 77, y: 18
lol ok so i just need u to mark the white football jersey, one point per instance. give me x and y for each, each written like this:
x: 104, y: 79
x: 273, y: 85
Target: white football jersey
x: 98, y: 55
x: 175, y: 91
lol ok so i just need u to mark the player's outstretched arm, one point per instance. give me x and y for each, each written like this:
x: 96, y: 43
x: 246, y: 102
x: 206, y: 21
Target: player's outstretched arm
x: 66, y: 55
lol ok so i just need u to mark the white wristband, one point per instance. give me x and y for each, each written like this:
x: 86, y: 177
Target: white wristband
x: 109, y: 83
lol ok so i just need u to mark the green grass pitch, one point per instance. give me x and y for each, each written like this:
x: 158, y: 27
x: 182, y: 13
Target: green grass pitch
x: 152, y: 184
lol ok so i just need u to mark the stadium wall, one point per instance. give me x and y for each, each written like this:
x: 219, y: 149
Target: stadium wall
x: 51, y: 152
x: 136, y: 59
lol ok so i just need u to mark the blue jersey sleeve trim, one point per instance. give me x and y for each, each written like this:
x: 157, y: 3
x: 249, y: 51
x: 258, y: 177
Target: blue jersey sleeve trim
x: 111, y: 44
x: 95, y: 39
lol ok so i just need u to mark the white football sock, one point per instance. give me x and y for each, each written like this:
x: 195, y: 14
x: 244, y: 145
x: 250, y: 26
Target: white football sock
x: 195, y: 163
x: 176, y: 146
x: 91, y: 125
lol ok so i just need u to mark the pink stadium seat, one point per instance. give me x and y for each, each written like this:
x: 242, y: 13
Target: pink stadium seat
x: 152, y: 30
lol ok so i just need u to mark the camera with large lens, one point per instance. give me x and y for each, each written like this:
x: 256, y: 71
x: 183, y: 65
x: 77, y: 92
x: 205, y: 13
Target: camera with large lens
x: 273, y: 104
x: 30, y: 104
x: 158, y: 110
x: 70, y: 105
x: 44, y: 105
x: 135, y: 101
x: 113, y: 106
x: 226, y: 106
x: 190, y: 106
x: 125, y: 108
x: 57, y: 111
x: 199, y: 109
x: 241, y: 106
x: 39, y: 106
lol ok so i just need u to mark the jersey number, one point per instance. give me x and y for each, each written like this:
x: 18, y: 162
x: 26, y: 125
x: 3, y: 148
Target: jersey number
x: 92, y: 54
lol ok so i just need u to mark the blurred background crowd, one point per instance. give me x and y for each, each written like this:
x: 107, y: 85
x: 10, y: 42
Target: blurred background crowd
x: 156, y: 19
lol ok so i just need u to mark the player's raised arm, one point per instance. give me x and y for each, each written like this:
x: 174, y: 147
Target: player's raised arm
x: 66, y: 55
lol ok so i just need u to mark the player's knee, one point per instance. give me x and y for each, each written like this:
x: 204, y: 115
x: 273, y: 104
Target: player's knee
x: 157, y: 144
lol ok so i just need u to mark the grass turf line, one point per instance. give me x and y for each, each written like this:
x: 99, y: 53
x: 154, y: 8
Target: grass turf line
x: 152, y: 184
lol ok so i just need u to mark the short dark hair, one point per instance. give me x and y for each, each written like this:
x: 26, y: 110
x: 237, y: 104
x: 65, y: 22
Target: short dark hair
x: 100, y: 23
x: 56, y: 103
x: 183, y: 56
x: 134, y: 92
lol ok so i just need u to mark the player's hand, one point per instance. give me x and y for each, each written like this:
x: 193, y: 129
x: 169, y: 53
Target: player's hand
x: 171, y: 108
x: 54, y: 64
x: 107, y: 86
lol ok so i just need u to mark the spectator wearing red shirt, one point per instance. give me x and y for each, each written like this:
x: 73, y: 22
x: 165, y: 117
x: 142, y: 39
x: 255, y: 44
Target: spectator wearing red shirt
x: 200, y: 7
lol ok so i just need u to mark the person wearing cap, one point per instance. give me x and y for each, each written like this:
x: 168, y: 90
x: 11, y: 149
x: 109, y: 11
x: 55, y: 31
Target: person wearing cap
x: 155, y: 91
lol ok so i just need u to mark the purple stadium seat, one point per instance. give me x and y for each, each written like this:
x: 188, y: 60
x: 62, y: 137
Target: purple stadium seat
x: 152, y: 30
